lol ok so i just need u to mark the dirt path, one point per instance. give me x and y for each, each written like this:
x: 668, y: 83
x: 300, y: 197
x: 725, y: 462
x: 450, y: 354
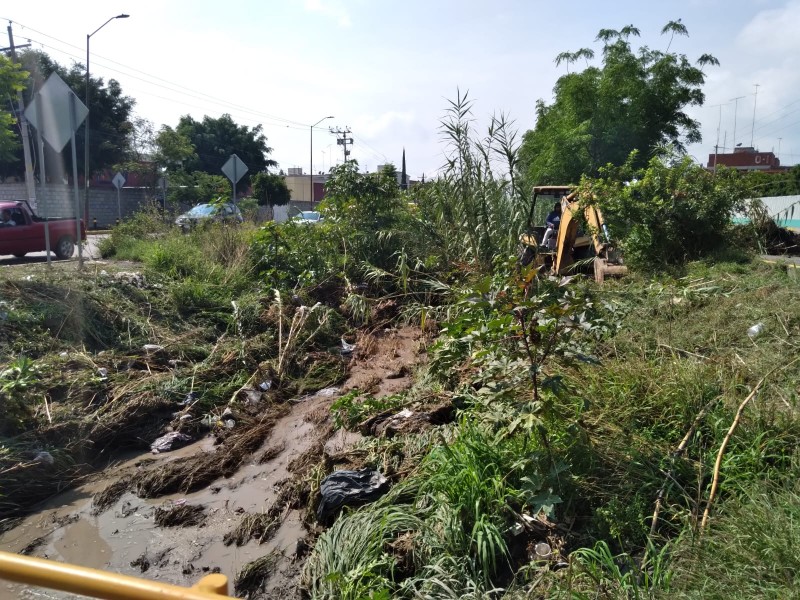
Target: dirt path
x: 125, y: 537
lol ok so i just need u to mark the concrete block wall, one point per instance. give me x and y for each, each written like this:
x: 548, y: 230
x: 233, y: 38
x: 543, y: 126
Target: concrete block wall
x: 59, y: 201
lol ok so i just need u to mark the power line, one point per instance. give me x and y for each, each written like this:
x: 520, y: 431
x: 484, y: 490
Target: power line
x: 155, y: 77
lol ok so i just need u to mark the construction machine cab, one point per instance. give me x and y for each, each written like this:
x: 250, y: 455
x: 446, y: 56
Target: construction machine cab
x: 576, y: 241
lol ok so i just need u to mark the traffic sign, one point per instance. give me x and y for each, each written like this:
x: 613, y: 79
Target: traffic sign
x: 57, y: 100
x: 118, y: 180
x: 234, y: 169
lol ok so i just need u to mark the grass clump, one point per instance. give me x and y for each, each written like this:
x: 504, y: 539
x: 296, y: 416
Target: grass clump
x: 184, y: 515
x: 252, y: 578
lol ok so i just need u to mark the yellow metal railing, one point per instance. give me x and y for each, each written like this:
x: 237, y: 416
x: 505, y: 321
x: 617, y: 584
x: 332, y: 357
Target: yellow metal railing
x: 94, y: 583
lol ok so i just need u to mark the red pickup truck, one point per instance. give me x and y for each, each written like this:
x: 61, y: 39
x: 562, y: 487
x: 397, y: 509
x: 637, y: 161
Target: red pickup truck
x: 21, y: 231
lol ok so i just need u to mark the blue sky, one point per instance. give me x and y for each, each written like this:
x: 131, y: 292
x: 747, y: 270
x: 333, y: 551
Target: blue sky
x: 386, y: 69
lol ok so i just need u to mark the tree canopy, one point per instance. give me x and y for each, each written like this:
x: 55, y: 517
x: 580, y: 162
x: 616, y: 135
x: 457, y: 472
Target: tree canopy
x: 110, y: 111
x: 270, y: 189
x: 214, y: 140
x: 635, y: 100
x: 12, y: 79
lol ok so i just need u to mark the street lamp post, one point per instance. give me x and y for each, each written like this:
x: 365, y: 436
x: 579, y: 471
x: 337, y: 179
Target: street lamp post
x: 86, y: 130
x: 311, y: 161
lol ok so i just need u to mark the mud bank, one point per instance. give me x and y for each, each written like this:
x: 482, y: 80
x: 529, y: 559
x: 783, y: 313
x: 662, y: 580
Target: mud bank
x: 272, y: 486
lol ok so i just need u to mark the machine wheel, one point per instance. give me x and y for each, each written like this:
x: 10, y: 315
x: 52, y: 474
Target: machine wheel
x: 526, y: 255
x: 20, y: 254
x: 65, y: 247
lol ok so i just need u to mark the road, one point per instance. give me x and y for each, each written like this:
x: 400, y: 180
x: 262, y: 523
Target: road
x: 90, y: 252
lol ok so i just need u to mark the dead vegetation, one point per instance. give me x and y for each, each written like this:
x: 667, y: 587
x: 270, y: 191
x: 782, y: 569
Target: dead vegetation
x: 254, y: 575
x: 182, y: 515
x: 195, y: 472
x: 260, y: 527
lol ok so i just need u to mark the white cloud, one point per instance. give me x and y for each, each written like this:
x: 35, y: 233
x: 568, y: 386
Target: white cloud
x: 330, y: 8
x: 371, y: 126
x: 773, y: 32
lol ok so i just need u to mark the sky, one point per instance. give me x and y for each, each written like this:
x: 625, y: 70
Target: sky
x: 387, y: 70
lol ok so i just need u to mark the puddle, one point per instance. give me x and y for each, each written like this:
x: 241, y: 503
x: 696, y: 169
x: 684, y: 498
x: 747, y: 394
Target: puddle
x: 126, y: 531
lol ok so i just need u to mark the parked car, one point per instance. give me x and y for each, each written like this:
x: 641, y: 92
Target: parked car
x: 21, y: 231
x: 308, y: 217
x: 204, y: 213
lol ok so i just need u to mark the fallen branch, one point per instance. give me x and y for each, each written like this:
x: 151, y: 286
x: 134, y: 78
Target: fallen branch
x: 675, y: 455
x: 724, y: 445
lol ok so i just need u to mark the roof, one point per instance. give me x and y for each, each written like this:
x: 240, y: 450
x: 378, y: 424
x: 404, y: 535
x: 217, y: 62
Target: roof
x: 550, y: 189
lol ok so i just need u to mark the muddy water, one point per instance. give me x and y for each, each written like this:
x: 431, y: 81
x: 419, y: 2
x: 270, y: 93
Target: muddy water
x: 67, y: 531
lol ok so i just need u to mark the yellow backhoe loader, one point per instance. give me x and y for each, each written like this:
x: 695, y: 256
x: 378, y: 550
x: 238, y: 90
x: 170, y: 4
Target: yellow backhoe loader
x: 576, y: 241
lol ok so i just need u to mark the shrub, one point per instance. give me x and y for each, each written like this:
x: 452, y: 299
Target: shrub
x: 666, y: 215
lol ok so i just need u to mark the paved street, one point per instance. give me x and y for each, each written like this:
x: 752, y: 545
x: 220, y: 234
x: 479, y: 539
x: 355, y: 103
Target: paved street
x: 90, y: 252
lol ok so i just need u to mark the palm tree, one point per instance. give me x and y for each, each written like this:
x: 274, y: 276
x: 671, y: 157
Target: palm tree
x: 628, y: 31
x: 567, y: 57
x: 674, y: 27
x: 585, y: 54
x: 707, y: 59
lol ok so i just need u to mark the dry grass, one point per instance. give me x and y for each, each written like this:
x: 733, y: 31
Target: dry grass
x: 185, y: 515
x: 196, y: 472
x: 254, y: 575
x: 261, y: 527
x: 109, y: 495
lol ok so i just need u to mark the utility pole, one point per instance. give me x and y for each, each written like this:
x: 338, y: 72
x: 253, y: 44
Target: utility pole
x: 753, y: 128
x: 342, y: 140
x: 716, y: 146
x: 23, y: 125
x: 735, y: 110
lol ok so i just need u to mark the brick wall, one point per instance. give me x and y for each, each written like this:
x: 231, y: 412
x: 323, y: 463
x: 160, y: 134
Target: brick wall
x: 59, y: 201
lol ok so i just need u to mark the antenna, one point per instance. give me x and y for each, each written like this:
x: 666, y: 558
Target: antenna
x: 753, y: 128
x: 735, y: 109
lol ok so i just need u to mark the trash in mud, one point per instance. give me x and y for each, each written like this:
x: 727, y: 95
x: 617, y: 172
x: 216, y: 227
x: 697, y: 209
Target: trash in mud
x: 44, y: 458
x: 349, y: 488
x: 182, y: 515
x: 252, y: 396
x: 754, y: 331
x: 347, y: 348
x: 190, y: 399
x: 265, y: 385
x: 407, y: 421
x: 152, y: 348
x: 253, y: 577
x: 327, y: 392
x: 170, y: 441
x: 102, y: 372
x: 542, y: 551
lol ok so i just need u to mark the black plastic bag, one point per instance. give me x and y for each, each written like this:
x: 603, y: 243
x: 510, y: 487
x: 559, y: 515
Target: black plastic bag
x: 349, y: 488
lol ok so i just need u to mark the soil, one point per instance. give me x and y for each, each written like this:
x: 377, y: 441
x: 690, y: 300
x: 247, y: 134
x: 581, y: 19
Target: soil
x: 272, y: 481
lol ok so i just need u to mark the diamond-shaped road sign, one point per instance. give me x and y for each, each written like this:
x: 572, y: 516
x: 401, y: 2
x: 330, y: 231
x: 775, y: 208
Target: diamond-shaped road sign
x: 118, y: 180
x: 234, y: 169
x: 54, y: 103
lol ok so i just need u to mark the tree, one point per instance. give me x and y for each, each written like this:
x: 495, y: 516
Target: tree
x: 111, y: 114
x: 636, y: 100
x: 196, y: 188
x: 214, y: 141
x: 12, y: 80
x: 270, y: 189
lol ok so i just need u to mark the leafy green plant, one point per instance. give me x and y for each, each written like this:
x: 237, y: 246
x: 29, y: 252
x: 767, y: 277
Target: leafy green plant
x: 353, y: 407
x: 20, y: 375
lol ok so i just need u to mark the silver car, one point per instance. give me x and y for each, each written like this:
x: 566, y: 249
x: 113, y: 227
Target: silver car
x: 206, y: 213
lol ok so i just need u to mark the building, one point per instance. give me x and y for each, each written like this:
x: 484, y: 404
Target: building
x: 747, y: 159
x: 298, y: 184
